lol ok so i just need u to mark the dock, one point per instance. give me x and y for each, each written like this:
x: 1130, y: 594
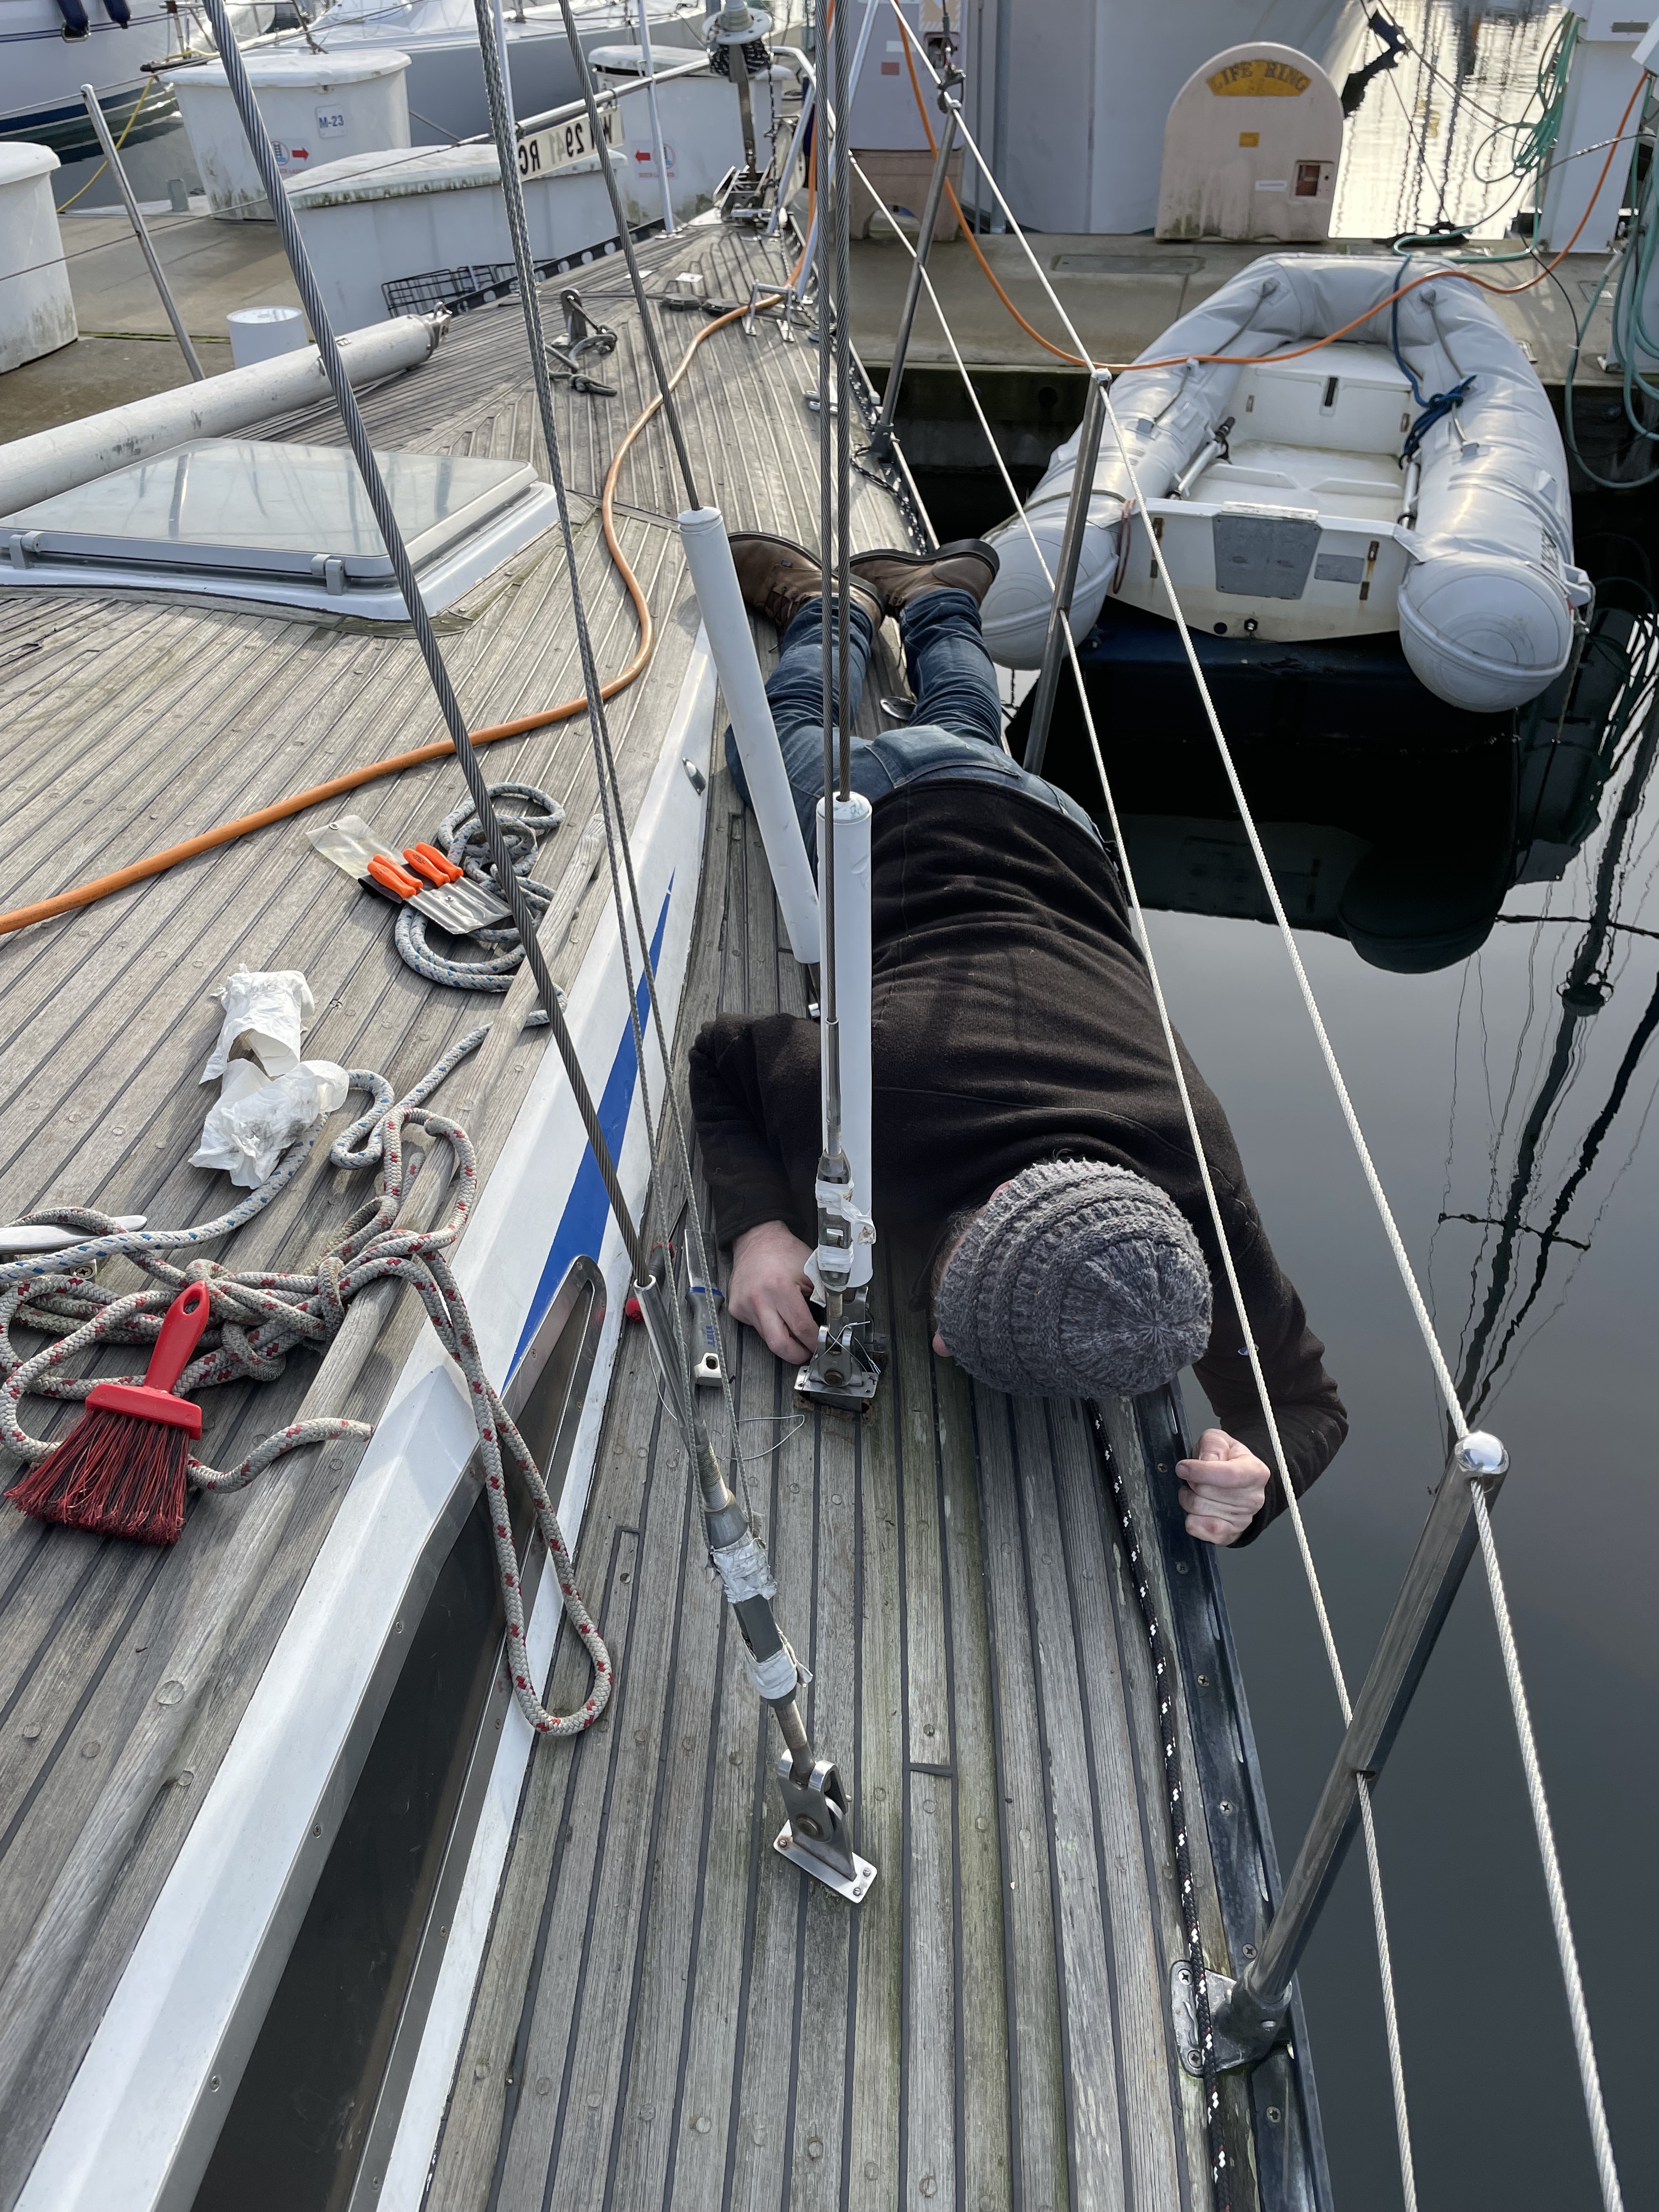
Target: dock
x: 1119, y: 292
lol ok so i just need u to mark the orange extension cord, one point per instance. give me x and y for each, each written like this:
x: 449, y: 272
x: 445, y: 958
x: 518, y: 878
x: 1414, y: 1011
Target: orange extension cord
x: 1253, y: 361
x: 226, y: 833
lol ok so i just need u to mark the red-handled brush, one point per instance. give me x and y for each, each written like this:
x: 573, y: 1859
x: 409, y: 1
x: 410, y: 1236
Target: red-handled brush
x: 121, y: 1470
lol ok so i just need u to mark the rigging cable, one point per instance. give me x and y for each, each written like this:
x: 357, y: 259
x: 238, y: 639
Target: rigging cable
x: 618, y: 848
x: 1316, y: 1590
x: 1589, y: 2076
x: 1080, y: 358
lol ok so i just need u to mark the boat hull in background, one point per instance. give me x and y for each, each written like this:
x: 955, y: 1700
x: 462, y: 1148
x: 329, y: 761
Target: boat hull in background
x: 445, y: 81
x: 41, y: 73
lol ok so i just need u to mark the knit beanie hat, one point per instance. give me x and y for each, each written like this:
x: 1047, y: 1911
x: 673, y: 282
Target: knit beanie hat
x: 1076, y: 1279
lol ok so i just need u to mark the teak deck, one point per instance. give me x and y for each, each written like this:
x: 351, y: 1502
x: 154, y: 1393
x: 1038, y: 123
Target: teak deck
x: 667, y: 2014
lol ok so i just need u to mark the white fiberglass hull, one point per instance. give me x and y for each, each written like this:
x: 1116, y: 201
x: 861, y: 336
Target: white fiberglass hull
x: 445, y: 81
x: 41, y: 73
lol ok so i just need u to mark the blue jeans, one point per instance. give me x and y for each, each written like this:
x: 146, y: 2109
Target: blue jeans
x: 956, y: 735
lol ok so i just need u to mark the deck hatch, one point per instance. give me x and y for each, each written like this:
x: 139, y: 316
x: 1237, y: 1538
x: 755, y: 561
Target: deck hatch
x: 254, y: 518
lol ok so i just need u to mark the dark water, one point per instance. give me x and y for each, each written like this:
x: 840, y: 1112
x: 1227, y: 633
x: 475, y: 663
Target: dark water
x: 1484, y: 1094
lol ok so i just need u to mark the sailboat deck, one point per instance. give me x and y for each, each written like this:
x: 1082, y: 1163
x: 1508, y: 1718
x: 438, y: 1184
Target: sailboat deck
x: 670, y: 2016
x: 135, y: 720
x: 667, y: 2014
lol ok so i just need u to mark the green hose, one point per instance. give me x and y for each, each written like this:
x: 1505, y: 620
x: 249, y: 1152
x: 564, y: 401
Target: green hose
x: 1531, y: 141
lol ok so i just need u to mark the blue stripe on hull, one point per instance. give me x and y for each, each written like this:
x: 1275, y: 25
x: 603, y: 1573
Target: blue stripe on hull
x: 582, y: 1226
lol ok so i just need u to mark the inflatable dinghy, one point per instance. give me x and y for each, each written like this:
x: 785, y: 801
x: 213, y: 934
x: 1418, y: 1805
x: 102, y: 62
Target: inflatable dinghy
x: 1409, y: 476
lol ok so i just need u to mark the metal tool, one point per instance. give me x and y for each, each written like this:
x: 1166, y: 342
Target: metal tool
x: 737, y: 49
x: 584, y: 340
x: 458, y: 905
x: 707, y: 1368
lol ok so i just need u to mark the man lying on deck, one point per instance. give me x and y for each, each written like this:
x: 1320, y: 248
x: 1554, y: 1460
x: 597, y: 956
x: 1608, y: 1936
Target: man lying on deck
x: 1027, y: 1126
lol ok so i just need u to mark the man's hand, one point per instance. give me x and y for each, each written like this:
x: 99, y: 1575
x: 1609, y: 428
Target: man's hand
x: 768, y: 1289
x: 1223, y: 1489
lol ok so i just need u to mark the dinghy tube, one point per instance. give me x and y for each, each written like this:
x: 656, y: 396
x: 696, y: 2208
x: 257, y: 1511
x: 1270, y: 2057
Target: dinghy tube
x: 1486, y: 604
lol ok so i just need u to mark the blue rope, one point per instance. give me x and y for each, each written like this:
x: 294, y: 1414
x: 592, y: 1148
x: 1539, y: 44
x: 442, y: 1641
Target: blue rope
x: 1434, y: 410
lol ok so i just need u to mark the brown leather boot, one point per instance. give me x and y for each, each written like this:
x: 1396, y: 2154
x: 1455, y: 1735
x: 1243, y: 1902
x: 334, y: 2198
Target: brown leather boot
x: 966, y: 564
x: 777, y: 578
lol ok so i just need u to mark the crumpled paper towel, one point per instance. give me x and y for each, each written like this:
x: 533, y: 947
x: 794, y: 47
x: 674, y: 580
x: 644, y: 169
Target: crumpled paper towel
x: 254, y: 1120
x: 265, y: 1013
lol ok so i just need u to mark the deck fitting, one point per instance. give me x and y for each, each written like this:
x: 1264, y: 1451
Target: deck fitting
x: 815, y: 1836
x: 1183, y: 2018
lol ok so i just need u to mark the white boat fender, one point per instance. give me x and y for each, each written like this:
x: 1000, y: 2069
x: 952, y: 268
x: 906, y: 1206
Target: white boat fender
x: 1485, y: 611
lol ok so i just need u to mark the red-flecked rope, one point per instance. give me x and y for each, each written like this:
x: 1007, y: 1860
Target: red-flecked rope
x: 257, y: 1318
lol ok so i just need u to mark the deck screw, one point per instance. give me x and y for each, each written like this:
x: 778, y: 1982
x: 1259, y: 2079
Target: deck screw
x: 1273, y: 2112
x: 1226, y: 1804
x: 1249, y: 1950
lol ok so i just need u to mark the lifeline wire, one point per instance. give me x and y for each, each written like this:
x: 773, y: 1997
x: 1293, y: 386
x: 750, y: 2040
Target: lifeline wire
x: 611, y: 812
x: 402, y: 568
x: 1589, y: 2075
x: 827, y: 139
x: 1612, y: 2195
x: 843, y: 389
x: 624, y: 238
x: 1384, y: 1955
x: 530, y: 299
